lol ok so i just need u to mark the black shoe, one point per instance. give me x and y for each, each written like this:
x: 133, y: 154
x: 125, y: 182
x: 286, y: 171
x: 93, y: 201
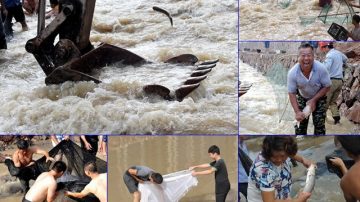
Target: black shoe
x: 336, y: 119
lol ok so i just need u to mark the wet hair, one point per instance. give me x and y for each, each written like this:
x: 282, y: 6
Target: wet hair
x: 91, y: 167
x: 306, y: 45
x: 59, y: 166
x: 356, y: 18
x: 214, y: 149
x: 278, y: 143
x: 350, y: 143
x: 157, y: 177
x: 22, y: 144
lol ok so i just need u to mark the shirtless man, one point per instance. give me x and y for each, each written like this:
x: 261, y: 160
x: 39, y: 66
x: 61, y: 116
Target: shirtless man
x: 22, y: 164
x: 350, y: 183
x: 97, y: 185
x: 45, y: 185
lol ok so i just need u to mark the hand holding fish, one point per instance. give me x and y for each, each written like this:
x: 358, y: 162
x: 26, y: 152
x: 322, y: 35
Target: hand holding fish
x: 303, y: 196
x: 307, y: 163
x: 299, y: 116
x: 312, y: 104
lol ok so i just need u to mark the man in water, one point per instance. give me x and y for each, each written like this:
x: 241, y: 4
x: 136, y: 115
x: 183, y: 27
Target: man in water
x: 97, y: 185
x: 13, y: 9
x: 350, y: 183
x: 334, y: 63
x: 45, y: 185
x: 139, y: 174
x: 222, y: 184
x: 308, y: 82
x: 22, y: 164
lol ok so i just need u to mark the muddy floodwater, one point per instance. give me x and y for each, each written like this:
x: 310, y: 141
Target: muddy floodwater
x: 206, y: 29
x: 289, y: 19
x: 168, y: 155
x: 327, y: 187
x: 260, y: 105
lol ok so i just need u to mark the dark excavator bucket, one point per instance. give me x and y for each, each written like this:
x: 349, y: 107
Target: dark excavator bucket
x: 74, y: 58
x: 189, y: 85
x: 79, y: 69
x: 185, y: 59
x: 243, y: 88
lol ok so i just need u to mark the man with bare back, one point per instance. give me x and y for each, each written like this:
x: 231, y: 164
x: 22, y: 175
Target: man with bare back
x: 22, y: 164
x: 97, y: 185
x: 45, y: 185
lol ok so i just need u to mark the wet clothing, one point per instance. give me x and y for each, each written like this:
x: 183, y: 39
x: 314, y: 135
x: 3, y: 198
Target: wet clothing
x: 11, y: 3
x: 14, y: 9
x: 143, y: 173
x: 318, y: 116
x: 93, y: 141
x: 308, y: 88
x: 222, y: 184
x: 24, y: 174
x: 265, y: 176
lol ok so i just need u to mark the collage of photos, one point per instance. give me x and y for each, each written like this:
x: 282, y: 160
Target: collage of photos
x: 180, y: 101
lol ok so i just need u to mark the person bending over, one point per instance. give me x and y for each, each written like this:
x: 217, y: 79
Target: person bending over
x: 139, y: 174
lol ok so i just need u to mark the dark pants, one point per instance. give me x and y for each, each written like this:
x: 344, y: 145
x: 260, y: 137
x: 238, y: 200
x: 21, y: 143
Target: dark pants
x: 318, y: 115
x: 13, y: 12
x: 24, y: 174
x: 221, y: 190
x: 243, y: 189
x: 90, y: 155
x: 2, y: 35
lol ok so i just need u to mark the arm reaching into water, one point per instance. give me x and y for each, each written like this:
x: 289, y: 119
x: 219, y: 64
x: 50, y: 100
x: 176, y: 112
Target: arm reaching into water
x: 81, y: 194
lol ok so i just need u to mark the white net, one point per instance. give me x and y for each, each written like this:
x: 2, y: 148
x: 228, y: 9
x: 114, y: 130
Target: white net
x: 173, y: 188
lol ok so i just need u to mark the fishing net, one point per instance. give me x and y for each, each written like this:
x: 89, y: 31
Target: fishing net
x: 74, y: 179
x: 173, y: 188
x: 277, y: 76
x: 284, y: 3
x: 339, y: 12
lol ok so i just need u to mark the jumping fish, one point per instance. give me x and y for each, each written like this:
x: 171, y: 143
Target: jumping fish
x: 310, y: 179
x: 155, y: 8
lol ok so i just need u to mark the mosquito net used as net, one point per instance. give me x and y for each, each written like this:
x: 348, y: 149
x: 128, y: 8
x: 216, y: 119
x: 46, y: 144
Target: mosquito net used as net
x: 74, y: 179
x: 173, y: 188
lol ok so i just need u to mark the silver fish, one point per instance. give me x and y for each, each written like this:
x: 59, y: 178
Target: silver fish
x: 310, y: 179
